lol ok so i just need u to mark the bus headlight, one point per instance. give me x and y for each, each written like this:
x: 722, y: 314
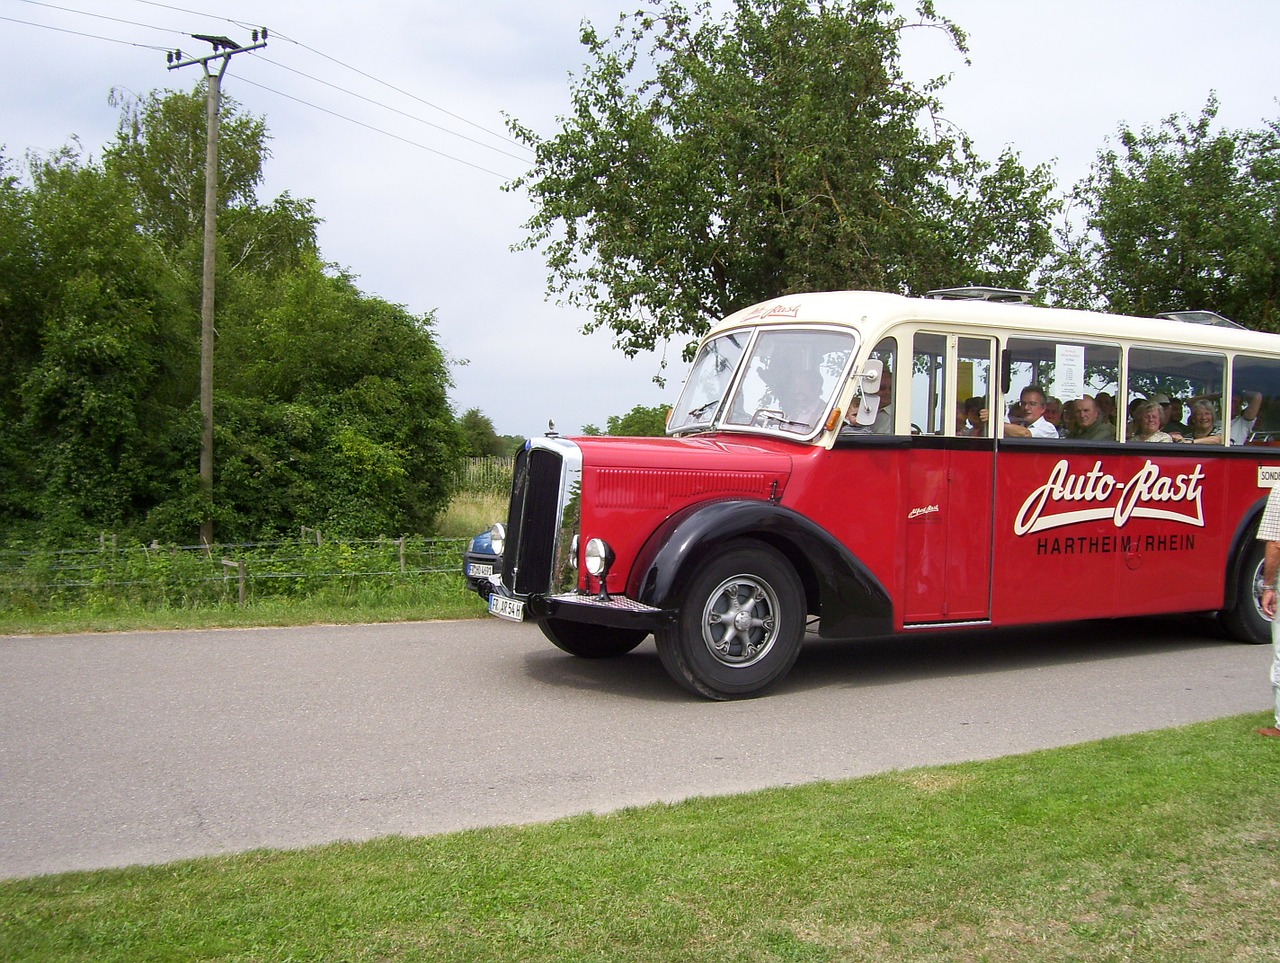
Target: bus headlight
x: 498, y: 538
x: 598, y: 557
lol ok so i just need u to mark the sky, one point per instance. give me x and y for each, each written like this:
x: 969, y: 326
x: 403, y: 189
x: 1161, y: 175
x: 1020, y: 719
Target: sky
x: 389, y: 115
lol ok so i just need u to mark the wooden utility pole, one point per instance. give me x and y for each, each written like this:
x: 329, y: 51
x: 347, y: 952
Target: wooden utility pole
x: 223, y: 50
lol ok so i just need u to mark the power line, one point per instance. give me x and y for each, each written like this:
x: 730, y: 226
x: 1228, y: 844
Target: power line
x: 81, y: 33
x: 276, y: 35
x: 96, y: 16
x: 394, y: 110
x: 401, y: 91
x: 377, y: 130
x: 297, y: 43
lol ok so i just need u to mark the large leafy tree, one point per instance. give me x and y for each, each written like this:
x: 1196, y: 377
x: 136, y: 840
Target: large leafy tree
x: 709, y: 162
x: 1180, y: 215
x: 330, y: 405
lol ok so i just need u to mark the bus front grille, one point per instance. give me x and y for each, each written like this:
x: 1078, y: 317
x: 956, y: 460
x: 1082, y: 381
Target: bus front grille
x: 533, y: 521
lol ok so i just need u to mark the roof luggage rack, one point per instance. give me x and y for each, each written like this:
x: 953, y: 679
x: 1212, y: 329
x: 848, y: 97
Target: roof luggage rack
x: 973, y: 292
x: 1200, y: 317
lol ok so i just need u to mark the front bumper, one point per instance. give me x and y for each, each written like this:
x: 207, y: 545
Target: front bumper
x: 616, y: 611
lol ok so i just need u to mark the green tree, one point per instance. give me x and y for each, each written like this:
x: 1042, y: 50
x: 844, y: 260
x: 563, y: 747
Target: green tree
x: 336, y: 413
x: 331, y: 406
x: 89, y: 393
x: 1181, y: 215
x: 482, y: 438
x: 710, y: 163
x: 639, y: 422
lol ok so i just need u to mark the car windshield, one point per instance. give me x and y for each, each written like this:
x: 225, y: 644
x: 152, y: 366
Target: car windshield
x: 786, y: 382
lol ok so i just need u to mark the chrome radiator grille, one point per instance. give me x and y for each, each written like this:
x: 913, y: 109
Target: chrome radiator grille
x: 533, y: 521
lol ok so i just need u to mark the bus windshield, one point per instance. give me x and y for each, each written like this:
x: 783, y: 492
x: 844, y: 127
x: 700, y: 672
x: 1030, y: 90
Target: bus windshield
x: 782, y: 379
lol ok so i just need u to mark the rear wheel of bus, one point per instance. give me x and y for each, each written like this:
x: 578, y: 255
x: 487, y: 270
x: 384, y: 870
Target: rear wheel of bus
x: 740, y: 625
x: 1245, y: 620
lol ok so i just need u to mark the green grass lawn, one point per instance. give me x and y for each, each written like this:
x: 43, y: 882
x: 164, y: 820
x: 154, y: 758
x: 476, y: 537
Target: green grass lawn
x: 1159, y: 847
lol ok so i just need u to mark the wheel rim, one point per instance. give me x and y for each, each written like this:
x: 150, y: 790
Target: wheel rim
x: 740, y: 621
x: 1258, y: 586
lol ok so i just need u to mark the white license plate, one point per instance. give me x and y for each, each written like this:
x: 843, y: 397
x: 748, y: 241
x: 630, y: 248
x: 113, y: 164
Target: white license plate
x: 505, y: 608
x: 479, y: 570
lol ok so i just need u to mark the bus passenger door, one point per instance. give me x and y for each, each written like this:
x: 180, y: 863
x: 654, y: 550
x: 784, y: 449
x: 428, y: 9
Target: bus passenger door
x: 948, y: 484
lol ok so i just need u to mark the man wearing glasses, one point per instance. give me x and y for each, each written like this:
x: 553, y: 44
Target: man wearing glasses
x: 1037, y: 425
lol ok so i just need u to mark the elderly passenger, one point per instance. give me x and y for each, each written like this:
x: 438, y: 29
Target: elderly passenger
x: 1204, y: 429
x: 1146, y: 423
x: 1089, y: 425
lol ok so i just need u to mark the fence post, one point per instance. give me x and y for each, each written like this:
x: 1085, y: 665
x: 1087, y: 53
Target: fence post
x: 402, y: 565
x: 241, y: 570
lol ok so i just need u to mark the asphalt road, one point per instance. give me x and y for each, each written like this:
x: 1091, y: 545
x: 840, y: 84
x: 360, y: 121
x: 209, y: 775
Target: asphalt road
x: 151, y: 746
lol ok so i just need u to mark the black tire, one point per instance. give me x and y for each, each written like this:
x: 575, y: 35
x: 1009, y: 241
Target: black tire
x: 591, y: 641
x: 1245, y: 620
x: 746, y: 653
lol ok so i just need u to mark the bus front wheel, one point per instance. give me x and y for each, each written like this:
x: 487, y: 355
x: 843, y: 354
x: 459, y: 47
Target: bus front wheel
x: 1245, y: 620
x: 740, y: 625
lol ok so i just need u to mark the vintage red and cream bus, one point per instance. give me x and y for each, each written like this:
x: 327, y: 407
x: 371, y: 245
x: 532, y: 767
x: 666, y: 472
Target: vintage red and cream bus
x: 852, y: 464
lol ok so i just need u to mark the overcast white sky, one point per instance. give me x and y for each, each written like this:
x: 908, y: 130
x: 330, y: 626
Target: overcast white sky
x: 420, y: 220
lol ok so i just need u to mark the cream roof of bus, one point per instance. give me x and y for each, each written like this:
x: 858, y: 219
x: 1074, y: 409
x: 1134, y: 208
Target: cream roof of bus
x: 872, y: 312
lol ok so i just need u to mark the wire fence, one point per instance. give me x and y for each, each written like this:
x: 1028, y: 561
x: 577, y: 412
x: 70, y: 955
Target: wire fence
x: 190, y: 575
x: 490, y: 474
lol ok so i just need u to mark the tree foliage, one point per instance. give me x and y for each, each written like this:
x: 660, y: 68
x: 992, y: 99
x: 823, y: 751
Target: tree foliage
x: 330, y: 405
x: 710, y: 163
x: 1181, y: 215
x: 640, y: 422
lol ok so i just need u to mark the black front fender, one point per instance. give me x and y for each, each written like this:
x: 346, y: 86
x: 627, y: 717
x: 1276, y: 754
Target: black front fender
x: 850, y: 600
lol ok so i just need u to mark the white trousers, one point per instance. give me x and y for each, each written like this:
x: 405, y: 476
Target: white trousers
x: 1275, y: 664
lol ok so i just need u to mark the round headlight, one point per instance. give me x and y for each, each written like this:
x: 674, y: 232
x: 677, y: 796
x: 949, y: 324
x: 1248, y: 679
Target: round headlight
x: 498, y: 538
x: 598, y: 557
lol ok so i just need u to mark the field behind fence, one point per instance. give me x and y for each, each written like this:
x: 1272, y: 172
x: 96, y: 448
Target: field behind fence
x: 110, y: 573
x: 198, y: 576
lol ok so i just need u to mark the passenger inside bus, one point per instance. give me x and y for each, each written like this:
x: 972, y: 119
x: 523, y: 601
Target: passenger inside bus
x: 1146, y: 422
x: 974, y: 425
x: 800, y: 395
x: 1246, y: 408
x: 1053, y: 414
x: 1204, y: 429
x: 884, y: 417
x: 1069, y: 420
x: 1171, y: 411
x: 1106, y: 407
x: 1089, y: 425
x: 1037, y: 426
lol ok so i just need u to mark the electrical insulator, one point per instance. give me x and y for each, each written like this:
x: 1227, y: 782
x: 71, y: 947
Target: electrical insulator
x: 264, y: 33
x: 255, y: 36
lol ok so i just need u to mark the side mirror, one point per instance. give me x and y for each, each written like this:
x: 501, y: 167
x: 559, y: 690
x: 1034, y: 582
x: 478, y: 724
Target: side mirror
x: 868, y: 386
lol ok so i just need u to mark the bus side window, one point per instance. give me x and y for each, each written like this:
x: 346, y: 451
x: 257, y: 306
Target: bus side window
x: 1254, y: 412
x: 1066, y: 371
x: 1177, y: 384
x: 928, y: 384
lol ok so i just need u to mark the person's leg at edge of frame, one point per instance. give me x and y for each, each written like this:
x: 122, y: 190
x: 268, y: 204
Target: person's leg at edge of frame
x: 1274, y: 730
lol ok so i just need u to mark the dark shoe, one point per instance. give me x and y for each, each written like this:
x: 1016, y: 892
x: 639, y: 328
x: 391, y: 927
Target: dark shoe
x: 1271, y: 731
